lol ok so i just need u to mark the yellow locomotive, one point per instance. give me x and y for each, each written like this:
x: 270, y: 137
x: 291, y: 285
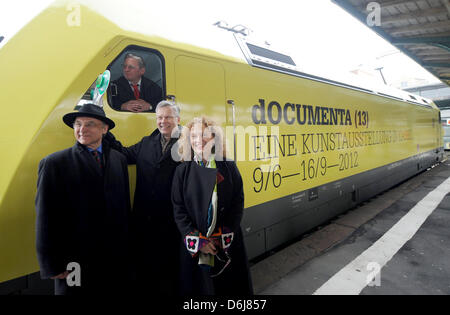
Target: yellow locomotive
x: 308, y: 148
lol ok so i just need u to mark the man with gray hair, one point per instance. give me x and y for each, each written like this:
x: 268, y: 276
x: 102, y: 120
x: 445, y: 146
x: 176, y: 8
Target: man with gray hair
x: 132, y: 91
x: 156, y: 237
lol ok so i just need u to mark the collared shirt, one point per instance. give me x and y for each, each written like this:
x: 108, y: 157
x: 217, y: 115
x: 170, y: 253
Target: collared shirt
x: 164, y: 144
x: 99, y: 149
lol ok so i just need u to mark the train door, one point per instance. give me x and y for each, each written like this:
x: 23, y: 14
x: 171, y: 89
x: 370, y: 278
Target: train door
x: 200, y: 89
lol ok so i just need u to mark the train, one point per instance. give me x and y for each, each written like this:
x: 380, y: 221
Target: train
x: 308, y: 148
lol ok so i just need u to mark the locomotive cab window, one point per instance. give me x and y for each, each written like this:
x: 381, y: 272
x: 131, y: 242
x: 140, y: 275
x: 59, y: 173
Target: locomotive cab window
x: 137, y: 80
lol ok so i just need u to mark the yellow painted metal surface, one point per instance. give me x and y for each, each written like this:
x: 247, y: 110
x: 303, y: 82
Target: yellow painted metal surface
x: 334, y: 133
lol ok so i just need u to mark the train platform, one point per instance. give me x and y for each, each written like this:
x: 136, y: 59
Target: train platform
x: 396, y: 243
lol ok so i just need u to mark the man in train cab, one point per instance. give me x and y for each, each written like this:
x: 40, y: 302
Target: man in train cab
x: 83, y: 208
x: 155, y: 234
x: 133, y: 91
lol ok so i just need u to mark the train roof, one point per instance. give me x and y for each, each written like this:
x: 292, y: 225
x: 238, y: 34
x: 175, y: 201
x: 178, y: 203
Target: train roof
x: 238, y: 47
x: 262, y: 57
x: 149, y: 19
x: 233, y: 46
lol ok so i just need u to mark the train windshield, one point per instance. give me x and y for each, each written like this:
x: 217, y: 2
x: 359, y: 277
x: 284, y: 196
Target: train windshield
x: 446, y: 131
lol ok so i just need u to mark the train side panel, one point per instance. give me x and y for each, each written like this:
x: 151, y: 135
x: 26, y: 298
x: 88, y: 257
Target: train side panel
x: 302, y: 166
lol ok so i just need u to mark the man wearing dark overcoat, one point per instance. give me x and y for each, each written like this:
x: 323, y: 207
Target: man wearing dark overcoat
x: 83, y: 208
x: 156, y: 237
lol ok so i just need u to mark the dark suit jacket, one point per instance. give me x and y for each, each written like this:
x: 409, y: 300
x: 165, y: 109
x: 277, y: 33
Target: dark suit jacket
x: 82, y: 214
x: 149, y: 92
x: 191, y: 194
x: 154, y: 173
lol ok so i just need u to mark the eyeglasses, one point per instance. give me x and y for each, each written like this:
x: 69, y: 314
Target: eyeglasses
x: 89, y: 124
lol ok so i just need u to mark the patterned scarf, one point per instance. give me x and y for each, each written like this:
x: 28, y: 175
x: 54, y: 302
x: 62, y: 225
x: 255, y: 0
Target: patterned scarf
x: 212, y: 210
x: 208, y: 259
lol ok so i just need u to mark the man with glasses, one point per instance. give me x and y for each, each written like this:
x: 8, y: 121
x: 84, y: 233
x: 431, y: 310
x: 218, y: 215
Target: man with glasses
x: 133, y: 91
x: 83, y: 208
x: 156, y: 236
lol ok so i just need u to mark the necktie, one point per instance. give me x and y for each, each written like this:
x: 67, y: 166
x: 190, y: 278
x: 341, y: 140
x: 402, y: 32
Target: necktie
x: 136, y: 91
x: 96, y: 156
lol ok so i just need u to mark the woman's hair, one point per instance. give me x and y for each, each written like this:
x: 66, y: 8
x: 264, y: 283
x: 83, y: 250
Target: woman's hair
x: 208, y: 125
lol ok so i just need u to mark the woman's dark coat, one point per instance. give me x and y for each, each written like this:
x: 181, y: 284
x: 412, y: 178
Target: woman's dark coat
x: 82, y: 216
x: 155, y: 233
x: 191, y: 194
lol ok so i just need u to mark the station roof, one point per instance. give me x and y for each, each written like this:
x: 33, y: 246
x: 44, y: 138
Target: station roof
x: 420, y: 29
